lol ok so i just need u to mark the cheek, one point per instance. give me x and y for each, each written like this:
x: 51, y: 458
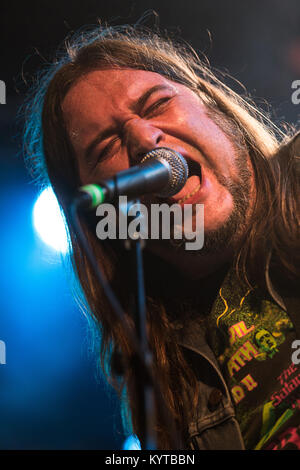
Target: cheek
x: 217, y: 209
x: 189, y: 112
x: 199, y: 130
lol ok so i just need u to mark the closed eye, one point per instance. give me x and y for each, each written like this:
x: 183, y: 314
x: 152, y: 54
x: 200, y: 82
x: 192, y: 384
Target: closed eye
x: 106, y: 151
x: 151, y: 111
x: 157, y: 106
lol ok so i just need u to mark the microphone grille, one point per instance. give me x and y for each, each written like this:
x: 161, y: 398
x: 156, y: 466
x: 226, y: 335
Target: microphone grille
x: 177, y: 165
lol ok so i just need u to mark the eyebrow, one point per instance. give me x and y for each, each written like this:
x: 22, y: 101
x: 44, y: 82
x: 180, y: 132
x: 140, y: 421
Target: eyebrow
x: 136, y: 106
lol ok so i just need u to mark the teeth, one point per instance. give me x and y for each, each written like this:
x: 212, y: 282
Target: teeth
x: 189, y: 195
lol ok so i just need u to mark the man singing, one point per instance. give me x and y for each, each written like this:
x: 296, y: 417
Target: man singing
x: 221, y: 320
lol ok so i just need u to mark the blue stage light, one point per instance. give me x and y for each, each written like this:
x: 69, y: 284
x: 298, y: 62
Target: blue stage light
x: 132, y: 443
x: 48, y: 221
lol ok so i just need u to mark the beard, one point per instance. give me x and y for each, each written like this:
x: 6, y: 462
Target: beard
x: 215, y: 241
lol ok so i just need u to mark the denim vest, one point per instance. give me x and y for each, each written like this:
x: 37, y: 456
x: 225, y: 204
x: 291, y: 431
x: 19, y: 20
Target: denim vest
x: 214, y: 425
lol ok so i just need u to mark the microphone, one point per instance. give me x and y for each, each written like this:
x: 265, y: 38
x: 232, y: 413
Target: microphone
x: 162, y: 172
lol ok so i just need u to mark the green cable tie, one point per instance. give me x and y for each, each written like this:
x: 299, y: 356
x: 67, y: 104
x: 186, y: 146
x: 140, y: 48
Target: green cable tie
x: 96, y: 193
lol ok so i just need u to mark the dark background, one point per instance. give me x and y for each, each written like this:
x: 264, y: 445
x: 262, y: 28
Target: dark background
x: 51, y: 393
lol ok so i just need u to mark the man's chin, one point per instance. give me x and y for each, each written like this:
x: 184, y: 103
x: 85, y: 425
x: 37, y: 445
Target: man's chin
x: 193, y: 264
x: 214, y: 242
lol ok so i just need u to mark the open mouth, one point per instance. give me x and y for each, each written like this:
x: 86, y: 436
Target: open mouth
x: 195, y: 169
x: 188, y: 194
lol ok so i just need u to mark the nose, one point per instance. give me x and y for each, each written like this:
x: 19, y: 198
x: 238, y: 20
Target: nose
x: 141, y: 137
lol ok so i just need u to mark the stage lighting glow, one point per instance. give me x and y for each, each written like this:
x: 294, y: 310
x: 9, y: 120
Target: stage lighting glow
x: 48, y: 221
x: 132, y: 443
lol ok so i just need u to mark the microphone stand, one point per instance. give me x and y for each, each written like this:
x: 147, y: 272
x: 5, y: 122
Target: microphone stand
x: 144, y: 388
x: 144, y: 378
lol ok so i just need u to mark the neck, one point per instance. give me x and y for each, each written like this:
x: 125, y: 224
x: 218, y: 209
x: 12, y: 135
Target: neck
x: 189, y: 264
x: 172, y: 283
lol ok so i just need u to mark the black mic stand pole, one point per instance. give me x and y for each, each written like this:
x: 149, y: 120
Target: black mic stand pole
x: 144, y: 389
x: 142, y: 365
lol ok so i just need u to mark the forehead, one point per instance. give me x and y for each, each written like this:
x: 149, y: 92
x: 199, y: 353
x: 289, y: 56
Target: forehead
x: 119, y: 87
x: 104, y: 97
